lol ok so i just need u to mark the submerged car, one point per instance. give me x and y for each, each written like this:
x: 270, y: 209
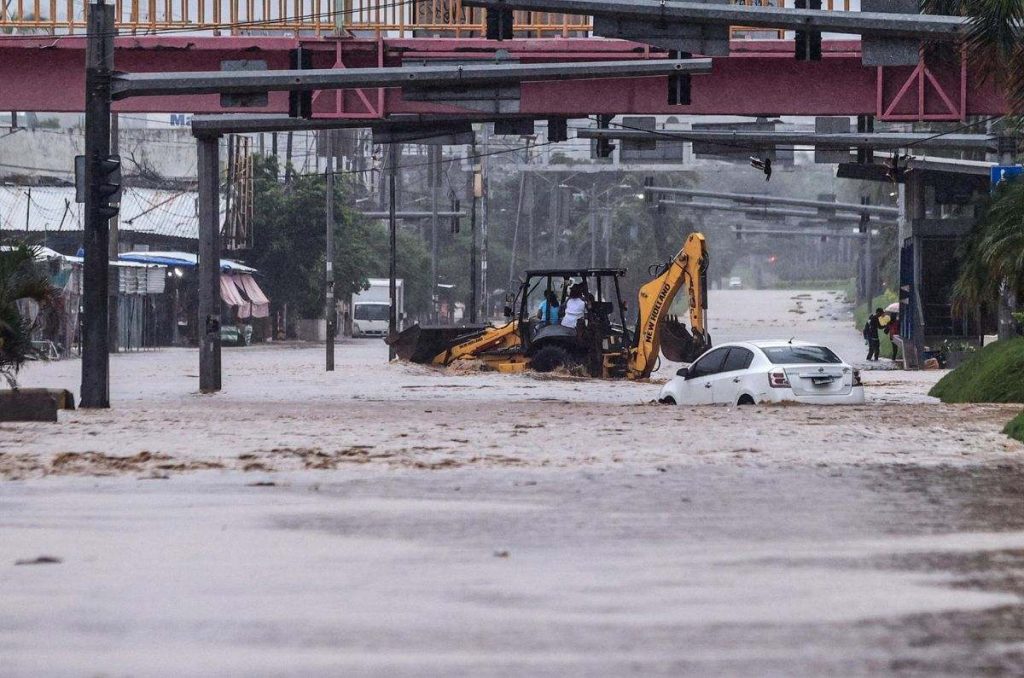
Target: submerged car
x: 750, y: 372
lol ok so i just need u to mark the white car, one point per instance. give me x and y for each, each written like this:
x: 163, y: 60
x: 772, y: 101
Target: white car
x: 735, y: 283
x: 749, y: 372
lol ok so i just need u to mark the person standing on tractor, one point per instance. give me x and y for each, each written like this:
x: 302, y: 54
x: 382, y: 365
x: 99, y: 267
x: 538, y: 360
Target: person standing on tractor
x: 575, y: 307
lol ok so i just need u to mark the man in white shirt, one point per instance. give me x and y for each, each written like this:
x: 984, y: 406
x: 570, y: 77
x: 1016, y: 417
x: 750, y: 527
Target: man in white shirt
x: 575, y: 307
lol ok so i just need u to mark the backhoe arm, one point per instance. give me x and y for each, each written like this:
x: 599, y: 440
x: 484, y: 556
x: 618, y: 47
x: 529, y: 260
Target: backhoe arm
x: 687, y: 269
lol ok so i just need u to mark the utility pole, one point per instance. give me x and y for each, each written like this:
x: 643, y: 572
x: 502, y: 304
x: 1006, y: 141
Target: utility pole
x: 393, y: 155
x: 273, y: 152
x: 533, y: 219
x: 288, y: 158
x: 484, y: 297
x: 607, y: 225
x: 99, y: 63
x: 515, y: 232
x: 434, y: 172
x: 113, y: 312
x: 555, y: 218
x: 475, y: 190
x: 329, y: 308
x: 592, y: 210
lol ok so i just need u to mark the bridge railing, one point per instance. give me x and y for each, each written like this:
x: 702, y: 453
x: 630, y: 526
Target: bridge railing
x: 396, y: 18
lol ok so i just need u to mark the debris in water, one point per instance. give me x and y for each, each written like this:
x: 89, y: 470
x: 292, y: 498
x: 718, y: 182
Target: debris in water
x: 41, y: 560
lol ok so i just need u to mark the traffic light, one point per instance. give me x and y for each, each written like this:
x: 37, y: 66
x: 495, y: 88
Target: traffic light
x: 648, y: 193
x: 456, y: 221
x: 558, y: 130
x: 604, y: 146
x: 894, y: 172
x: 108, y: 185
x: 763, y: 165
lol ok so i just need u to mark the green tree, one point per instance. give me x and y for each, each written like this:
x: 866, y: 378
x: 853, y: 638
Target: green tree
x: 289, y: 245
x: 20, y: 279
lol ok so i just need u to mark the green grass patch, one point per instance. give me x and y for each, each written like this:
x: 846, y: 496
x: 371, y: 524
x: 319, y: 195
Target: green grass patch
x: 1015, y: 429
x: 995, y: 374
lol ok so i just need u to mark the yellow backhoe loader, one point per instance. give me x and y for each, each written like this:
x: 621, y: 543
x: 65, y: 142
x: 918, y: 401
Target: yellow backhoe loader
x: 601, y: 342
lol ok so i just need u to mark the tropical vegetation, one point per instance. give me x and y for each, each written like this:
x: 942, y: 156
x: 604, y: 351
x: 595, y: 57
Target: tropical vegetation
x: 21, y: 280
x: 993, y: 255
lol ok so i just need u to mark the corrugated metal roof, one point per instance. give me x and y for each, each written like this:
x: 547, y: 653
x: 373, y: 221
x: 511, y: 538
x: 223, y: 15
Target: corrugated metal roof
x: 143, y: 210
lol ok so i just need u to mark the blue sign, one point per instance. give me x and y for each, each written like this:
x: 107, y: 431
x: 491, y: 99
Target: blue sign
x: 1002, y: 173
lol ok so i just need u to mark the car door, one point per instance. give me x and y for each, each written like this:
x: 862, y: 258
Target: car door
x: 699, y: 386
x: 728, y: 382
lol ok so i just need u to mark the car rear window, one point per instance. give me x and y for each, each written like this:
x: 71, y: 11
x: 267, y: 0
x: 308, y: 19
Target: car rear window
x: 797, y: 355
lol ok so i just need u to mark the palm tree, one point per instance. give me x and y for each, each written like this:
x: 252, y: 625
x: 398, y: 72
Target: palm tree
x: 993, y: 254
x: 994, y: 41
x: 20, y: 279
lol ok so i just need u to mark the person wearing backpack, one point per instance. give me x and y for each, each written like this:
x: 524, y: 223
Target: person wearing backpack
x: 871, y: 329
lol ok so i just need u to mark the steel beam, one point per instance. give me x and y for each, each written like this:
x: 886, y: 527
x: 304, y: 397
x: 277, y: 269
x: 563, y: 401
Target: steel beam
x: 808, y: 234
x: 412, y: 215
x: 126, y: 85
x: 882, y: 140
x: 814, y: 219
x: 761, y: 75
x: 924, y: 26
x: 752, y: 210
x: 820, y: 205
x: 253, y: 123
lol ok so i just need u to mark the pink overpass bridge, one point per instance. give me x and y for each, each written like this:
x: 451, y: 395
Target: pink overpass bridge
x: 760, y: 76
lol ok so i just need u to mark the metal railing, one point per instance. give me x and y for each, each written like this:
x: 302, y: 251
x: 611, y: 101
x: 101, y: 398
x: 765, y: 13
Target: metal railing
x: 390, y: 18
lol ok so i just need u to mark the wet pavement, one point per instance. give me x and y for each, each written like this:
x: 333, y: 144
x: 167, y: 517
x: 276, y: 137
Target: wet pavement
x: 399, y: 521
x: 873, y: 570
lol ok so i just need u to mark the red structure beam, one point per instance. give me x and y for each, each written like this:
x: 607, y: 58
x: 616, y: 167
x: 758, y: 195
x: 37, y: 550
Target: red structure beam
x: 759, y: 77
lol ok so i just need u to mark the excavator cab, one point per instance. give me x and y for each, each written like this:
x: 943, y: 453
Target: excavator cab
x: 598, y: 342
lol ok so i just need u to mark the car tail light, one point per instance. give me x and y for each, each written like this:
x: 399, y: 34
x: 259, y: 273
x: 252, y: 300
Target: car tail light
x: 856, y: 378
x: 778, y: 379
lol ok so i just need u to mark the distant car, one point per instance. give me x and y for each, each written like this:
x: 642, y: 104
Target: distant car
x: 735, y: 283
x: 749, y: 372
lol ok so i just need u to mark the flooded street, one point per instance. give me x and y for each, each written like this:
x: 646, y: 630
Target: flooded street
x: 394, y: 520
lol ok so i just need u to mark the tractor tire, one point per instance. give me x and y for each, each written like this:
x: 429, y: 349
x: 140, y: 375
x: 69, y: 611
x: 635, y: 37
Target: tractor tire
x: 550, y: 358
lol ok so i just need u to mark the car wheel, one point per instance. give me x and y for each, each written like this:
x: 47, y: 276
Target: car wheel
x: 551, y: 358
x: 668, y: 400
x: 745, y: 400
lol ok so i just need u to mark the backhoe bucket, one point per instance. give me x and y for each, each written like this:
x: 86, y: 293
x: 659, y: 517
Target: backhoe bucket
x: 678, y: 344
x: 420, y: 344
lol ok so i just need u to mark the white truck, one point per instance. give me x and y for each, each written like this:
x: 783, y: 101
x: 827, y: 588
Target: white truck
x: 371, y: 308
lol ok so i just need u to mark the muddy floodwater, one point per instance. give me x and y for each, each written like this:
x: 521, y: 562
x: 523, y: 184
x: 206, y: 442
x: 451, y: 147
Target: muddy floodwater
x: 395, y: 520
